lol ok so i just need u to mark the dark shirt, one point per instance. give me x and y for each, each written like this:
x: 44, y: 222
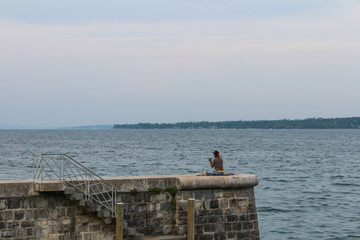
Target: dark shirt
x: 217, y: 164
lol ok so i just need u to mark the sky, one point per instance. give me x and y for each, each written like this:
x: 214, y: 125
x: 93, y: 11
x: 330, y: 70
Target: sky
x: 77, y: 63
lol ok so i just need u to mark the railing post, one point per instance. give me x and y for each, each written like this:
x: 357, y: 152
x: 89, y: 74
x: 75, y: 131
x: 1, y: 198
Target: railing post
x: 119, y: 221
x: 34, y: 168
x: 41, y: 168
x: 191, y: 219
x: 61, y: 169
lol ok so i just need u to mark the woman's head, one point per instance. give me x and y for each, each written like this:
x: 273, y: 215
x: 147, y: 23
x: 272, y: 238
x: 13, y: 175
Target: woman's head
x: 216, y: 153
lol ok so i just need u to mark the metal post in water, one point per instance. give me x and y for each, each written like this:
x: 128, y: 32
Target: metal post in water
x: 191, y: 219
x: 119, y: 220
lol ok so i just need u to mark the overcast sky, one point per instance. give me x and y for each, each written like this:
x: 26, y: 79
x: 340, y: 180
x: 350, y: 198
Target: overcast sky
x: 74, y: 63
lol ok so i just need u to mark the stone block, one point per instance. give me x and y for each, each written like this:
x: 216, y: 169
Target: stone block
x: 239, y: 202
x: 27, y: 224
x: 141, y: 208
x: 253, y: 216
x: 210, y: 228
x: 159, y: 197
x: 216, y: 219
x: 214, y: 204
x: 25, y: 203
x: 66, y: 228
x: 53, y: 213
x: 52, y: 237
x: 219, y: 194
x: 228, y: 227
x: 94, y: 227
x: 42, y: 203
x: 13, y: 203
x: 61, y: 212
x: 6, y: 215
x: 244, y: 192
x: 70, y: 212
x: 204, y: 213
x: 204, y: 194
x: 29, y: 232
x: 205, y: 237
x: 231, y: 218
x: 242, y: 235
x: 65, y: 203
x: 19, y: 215
x: 138, y: 198
x: 237, y: 226
x: 29, y: 214
x: 185, y: 195
x: 205, y: 205
x: 245, y: 216
x: 41, y: 213
x: 41, y: 223
x: 182, y: 205
x: 219, y: 236
x: 53, y: 222
x: 248, y: 225
x: 32, y: 203
x: 231, y: 235
x: 165, y: 206
x: 20, y: 233
x: 82, y: 228
x: 201, y: 220
x: 13, y: 225
x: 2, y: 204
x: 218, y: 212
x: 224, y: 203
x: 8, y: 234
x: 53, y: 203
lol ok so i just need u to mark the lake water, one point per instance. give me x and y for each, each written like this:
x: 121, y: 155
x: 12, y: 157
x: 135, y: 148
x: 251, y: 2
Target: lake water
x: 309, y: 179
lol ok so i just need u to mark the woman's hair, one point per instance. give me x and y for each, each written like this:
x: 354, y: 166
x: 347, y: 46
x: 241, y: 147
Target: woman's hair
x: 216, y: 153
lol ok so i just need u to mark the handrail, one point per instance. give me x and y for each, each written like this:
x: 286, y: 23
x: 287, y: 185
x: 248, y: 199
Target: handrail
x: 55, y: 166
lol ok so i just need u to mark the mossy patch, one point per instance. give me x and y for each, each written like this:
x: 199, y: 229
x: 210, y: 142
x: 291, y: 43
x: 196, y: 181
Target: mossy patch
x: 172, y: 190
x: 133, y: 191
x: 154, y: 190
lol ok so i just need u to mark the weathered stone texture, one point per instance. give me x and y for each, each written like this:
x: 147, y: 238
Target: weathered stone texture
x: 49, y: 217
x: 221, y: 213
x: 224, y: 209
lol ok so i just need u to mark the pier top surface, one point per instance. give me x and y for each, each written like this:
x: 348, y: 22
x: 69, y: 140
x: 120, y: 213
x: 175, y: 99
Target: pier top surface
x: 21, y: 188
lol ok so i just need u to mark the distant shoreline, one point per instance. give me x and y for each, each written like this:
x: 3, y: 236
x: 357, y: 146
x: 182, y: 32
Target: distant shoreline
x: 309, y: 123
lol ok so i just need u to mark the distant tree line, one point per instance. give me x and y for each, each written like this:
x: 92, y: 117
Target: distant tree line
x: 310, y: 123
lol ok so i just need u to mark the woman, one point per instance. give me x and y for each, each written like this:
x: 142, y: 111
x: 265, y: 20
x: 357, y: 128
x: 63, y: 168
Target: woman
x: 217, y: 164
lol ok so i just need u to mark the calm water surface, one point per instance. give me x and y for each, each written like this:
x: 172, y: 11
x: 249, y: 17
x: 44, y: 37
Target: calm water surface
x: 309, y: 179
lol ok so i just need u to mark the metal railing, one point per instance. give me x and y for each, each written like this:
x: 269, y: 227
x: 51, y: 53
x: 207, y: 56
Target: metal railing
x: 73, y: 174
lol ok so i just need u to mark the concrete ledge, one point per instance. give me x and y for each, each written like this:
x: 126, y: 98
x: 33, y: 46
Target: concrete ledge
x: 16, y: 188
x: 191, y: 182
x: 21, y: 188
x: 184, y: 182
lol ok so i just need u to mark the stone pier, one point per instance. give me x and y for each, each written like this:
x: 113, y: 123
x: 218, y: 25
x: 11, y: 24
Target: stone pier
x: 153, y: 206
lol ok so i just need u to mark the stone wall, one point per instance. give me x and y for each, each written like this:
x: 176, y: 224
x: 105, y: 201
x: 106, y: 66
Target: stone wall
x: 49, y: 216
x: 153, y: 205
x: 220, y: 214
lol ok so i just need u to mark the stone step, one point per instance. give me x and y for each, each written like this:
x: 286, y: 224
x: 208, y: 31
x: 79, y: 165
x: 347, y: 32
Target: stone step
x: 138, y: 236
x: 130, y: 231
x: 110, y: 220
x: 69, y: 190
x: 77, y: 196
x: 94, y: 208
x: 85, y: 203
x: 165, y: 237
x: 104, y: 213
